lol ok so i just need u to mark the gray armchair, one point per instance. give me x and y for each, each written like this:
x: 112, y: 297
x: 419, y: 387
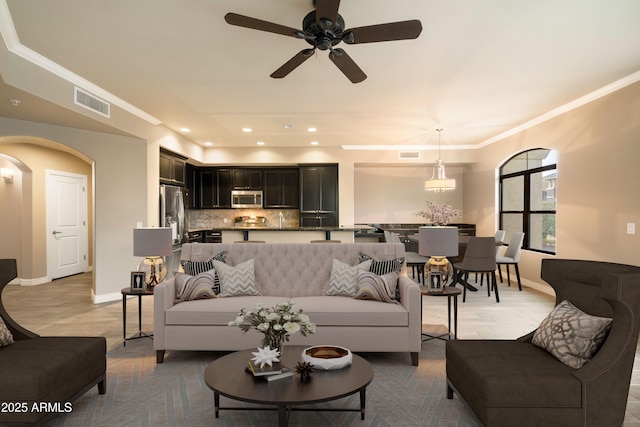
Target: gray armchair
x: 507, y: 383
x: 37, y: 369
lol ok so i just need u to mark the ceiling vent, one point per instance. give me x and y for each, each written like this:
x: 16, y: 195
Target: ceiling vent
x: 409, y: 155
x: 86, y: 100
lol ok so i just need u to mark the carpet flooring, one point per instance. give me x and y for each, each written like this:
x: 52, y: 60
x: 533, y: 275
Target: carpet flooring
x: 143, y: 393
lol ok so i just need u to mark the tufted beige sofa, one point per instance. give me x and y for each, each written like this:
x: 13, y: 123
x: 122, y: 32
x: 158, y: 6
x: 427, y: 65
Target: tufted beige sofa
x: 298, y: 271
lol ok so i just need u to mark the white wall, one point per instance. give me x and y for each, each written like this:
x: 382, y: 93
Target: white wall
x: 392, y: 194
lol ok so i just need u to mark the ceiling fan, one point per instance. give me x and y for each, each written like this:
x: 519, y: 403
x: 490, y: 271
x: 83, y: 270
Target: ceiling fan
x: 324, y: 28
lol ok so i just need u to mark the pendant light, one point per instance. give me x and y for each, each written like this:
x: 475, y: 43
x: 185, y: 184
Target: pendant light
x: 439, y: 181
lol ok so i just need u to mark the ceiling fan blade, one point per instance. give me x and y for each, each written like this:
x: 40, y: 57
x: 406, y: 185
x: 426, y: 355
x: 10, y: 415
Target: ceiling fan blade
x: 327, y: 12
x: 258, y: 24
x: 347, y: 65
x: 402, y: 30
x: 293, y: 63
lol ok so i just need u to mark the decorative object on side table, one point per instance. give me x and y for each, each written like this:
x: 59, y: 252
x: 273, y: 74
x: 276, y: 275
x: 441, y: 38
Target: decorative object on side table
x: 152, y: 243
x: 438, y: 243
x: 327, y: 357
x: 137, y: 281
x: 276, y: 323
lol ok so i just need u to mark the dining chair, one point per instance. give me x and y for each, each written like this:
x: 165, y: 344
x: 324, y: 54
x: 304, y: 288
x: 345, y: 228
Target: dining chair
x: 480, y: 257
x: 511, y: 257
x: 499, y: 236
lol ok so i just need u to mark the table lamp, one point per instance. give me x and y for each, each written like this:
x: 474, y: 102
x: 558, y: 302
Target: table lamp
x: 153, y: 244
x: 438, y: 243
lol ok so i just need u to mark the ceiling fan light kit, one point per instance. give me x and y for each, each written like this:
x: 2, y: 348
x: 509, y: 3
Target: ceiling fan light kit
x: 324, y: 28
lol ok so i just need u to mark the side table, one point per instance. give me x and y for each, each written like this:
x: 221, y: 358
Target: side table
x: 451, y: 293
x: 127, y: 292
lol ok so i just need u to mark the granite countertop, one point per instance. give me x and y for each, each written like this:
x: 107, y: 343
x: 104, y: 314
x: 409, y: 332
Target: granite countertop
x: 288, y: 229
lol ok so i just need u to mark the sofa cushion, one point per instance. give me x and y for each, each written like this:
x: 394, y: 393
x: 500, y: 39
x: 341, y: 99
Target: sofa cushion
x: 6, y: 338
x: 344, y: 278
x: 377, y: 287
x: 202, y: 286
x: 572, y: 335
x: 236, y: 281
x: 493, y: 372
x: 323, y: 311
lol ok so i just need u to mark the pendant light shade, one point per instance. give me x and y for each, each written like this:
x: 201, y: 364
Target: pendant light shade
x: 439, y: 181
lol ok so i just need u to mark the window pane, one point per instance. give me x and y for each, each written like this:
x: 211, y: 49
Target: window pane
x: 542, y: 232
x: 511, y: 223
x: 543, y: 191
x: 515, y: 164
x: 512, y: 194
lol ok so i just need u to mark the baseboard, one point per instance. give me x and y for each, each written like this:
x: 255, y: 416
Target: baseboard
x: 545, y: 289
x: 98, y: 299
x: 30, y: 282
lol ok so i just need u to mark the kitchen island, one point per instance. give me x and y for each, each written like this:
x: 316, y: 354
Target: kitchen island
x: 288, y: 234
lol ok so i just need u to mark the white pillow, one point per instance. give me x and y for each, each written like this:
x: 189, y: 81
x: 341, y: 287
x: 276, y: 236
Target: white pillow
x: 344, y: 278
x: 236, y: 281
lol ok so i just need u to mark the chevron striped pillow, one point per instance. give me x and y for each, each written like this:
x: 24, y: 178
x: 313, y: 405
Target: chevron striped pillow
x: 344, y: 278
x: 236, y: 281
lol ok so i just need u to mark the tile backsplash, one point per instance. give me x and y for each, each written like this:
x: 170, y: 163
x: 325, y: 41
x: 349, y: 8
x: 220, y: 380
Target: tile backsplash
x: 204, y: 219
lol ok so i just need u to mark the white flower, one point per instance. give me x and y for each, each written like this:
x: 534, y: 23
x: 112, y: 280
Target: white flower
x: 232, y: 323
x: 291, y: 327
x: 311, y: 327
x: 264, y: 312
x: 277, y: 327
x: 272, y: 316
x: 239, y: 320
x: 287, y: 317
x: 303, y: 318
x: 263, y: 326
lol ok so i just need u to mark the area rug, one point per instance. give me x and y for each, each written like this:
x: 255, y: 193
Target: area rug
x: 143, y: 393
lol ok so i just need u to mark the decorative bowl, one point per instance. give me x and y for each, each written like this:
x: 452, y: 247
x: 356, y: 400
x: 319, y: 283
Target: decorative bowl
x: 327, y: 357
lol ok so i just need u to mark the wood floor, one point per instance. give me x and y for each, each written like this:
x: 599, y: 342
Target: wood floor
x: 64, y: 307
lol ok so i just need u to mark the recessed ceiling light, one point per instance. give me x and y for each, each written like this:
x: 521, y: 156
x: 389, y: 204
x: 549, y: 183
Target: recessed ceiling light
x: 185, y: 130
x: 260, y: 143
x: 208, y: 143
x: 246, y: 130
x: 15, y: 102
x: 311, y: 129
x: 314, y: 143
x: 288, y: 126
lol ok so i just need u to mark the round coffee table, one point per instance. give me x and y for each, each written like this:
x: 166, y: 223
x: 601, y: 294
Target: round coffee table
x: 226, y: 376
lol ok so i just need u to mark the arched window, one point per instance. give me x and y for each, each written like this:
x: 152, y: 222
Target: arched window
x: 528, y: 198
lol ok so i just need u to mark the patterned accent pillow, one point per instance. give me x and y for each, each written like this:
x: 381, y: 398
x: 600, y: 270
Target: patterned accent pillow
x: 376, y: 287
x: 384, y: 267
x: 571, y: 335
x: 193, y: 268
x: 6, y: 338
x: 236, y: 281
x: 202, y: 286
x: 344, y: 278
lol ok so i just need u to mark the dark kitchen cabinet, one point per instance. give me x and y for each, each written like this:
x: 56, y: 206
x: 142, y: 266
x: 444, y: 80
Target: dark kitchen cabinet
x: 193, y: 186
x: 247, y: 179
x: 172, y: 168
x: 215, y: 188
x: 319, y: 196
x: 281, y: 188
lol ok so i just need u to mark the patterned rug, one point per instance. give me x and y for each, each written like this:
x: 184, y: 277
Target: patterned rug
x: 143, y: 393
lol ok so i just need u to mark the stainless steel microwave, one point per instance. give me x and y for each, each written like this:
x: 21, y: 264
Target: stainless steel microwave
x: 246, y: 199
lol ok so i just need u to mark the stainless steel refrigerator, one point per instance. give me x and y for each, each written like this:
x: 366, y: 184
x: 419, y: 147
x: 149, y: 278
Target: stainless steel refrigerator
x: 174, y: 215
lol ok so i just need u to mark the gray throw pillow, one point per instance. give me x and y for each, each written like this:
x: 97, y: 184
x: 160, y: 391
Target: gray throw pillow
x: 236, y: 281
x: 571, y: 335
x: 377, y: 288
x: 6, y: 337
x: 202, y: 286
x: 344, y: 278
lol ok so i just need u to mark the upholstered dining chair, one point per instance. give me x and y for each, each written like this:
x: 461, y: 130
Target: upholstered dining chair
x: 511, y: 257
x: 480, y: 257
x: 499, y: 236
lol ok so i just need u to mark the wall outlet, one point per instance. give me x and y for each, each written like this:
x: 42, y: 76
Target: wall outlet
x: 631, y: 228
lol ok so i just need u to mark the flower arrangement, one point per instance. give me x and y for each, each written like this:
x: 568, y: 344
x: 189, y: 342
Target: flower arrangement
x: 440, y: 214
x: 276, y: 323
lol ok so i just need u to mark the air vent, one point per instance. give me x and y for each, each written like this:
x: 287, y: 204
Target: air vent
x: 409, y: 155
x: 86, y: 100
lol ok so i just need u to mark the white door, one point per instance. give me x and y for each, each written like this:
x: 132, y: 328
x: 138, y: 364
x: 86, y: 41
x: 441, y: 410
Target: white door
x: 66, y: 224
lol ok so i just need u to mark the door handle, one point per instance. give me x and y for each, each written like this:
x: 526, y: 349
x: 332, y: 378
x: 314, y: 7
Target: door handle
x: 57, y: 232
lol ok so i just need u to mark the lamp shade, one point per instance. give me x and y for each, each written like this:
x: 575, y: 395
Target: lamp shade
x: 438, y: 241
x: 152, y: 242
